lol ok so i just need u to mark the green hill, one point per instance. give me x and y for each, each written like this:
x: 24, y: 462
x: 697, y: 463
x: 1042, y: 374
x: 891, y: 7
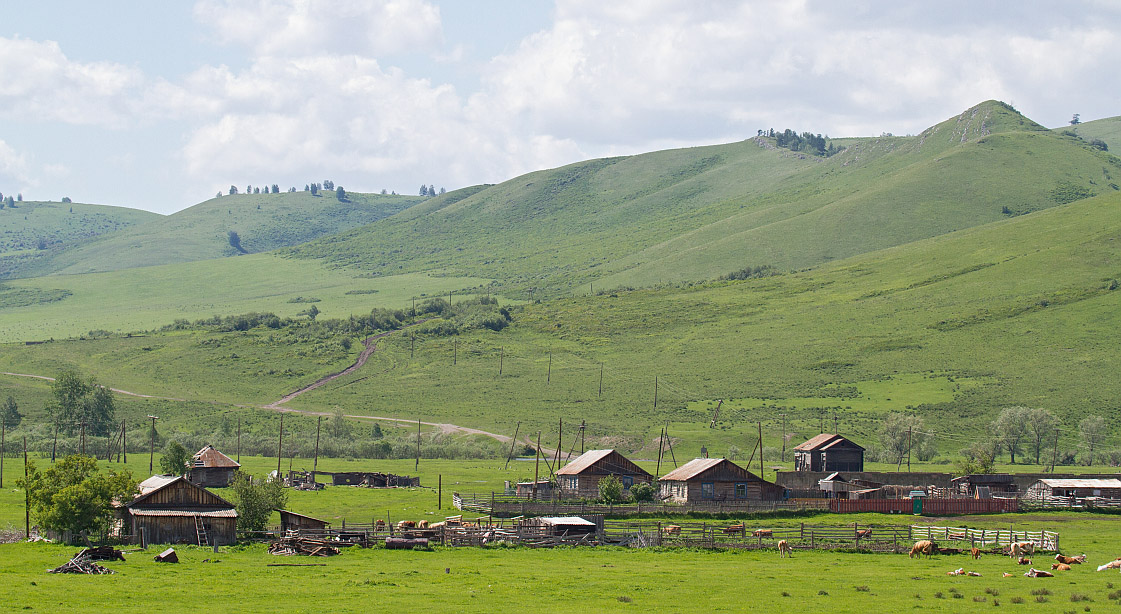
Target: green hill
x: 1108, y: 130
x: 263, y: 222
x: 694, y: 214
x: 33, y: 232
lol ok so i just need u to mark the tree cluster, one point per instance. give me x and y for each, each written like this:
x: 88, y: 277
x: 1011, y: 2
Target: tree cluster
x: 808, y: 142
x: 429, y: 190
x: 76, y: 402
x: 255, y: 500
x: 72, y: 495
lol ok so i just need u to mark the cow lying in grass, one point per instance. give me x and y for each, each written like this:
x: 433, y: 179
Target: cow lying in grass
x: 1114, y: 564
x: 1071, y: 560
x: 924, y: 546
x: 1060, y: 567
x: 784, y: 549
x: 761, y: 533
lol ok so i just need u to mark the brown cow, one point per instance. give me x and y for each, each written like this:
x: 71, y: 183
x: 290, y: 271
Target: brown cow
x: 975, y: 552
x: 406, y: 524
x: 784, y: 549
x: 864, y: 533
x: 1018, y: 549
x: 732, y: 530
x: 1071, y: 560
x: 924, y: 546
x: 1023, y: 561
x: 761, y: 533
x: 671, y: 529
x: 1038, y: 573
x: 423, y: 524
x: 1060, y: 567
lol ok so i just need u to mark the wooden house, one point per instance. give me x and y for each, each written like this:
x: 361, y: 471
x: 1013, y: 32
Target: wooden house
x: 210, y: 468
x: 172, y: 510
x: 716, y: 479
x: 828, y: 452
x: 293, y: 521
x: 544, y: 489
x: 984, y: 486
x: 1074, y: 488
x: 580, y: 477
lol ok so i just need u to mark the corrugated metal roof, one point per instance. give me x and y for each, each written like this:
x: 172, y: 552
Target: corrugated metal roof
x: 303, y: 516
x: 692, y: 468
x: 155, y: 482
x: 824, y: 441
x: 1082, y: 483
x: 576, y: 520
x: 184, y: 512
x: 211, y: 458
x: 584, y: 461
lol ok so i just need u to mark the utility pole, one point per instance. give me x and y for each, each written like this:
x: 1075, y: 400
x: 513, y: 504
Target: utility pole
x: 26, y: 493
x: 661, y: 442
x: 239, y: 440
x: 124, y: 440
x: 783, y: 437
x: 82, y: 439
x: 582, y: 426
x: 412, y: 344
x: 152, y: 445
x: 315, y: 463
x: 549, y: 375
x: 835, y: 428
x: 417, y: 444
x: 279, y: 446
x: 414, y: 306
x: 512, y: 443
x: 560, y: 438
x: 536, y: 467
x: 669, y: 444
x: 501, y: 355
x: 455, y: 351
x: 600, y: 395
x: 760, y: 450
x: 655, y: 392
x: 909, y: 449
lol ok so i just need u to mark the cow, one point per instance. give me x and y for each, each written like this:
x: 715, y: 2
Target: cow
x: 1038, y: 573
x: 1018, y: 549
x: 924, y: 546
x: 732, y: 530
x: 671, y: 529
x: 1023, y: 561
x: 864, y: 533
x: 975, y: 552
x: 406, y: 524
x: 1060, y: 567
x: 1114, y: 564
x: 1071, y: 560
x: 436, y: 526
x: 761, y: 533
x: 380, y: 525
x: 784, y: 549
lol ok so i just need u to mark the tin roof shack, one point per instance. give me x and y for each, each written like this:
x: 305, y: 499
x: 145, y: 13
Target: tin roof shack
x: 828, y: 452
x: 561, y: 526
x: 210, y: 468
x: 837, y: 486
x: 716, y: 479
x: 981, y: 486
x: 1070, y: 488
x: 544, y: 489
x: 580, y: 478
x: 299, y: 522
x: 172, y: 510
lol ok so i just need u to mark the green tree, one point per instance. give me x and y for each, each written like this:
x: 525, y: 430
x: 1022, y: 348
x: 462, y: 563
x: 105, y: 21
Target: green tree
x: 901, y: 433
x: 375, y: 432
x: 976, y: 459
x: 233, y: 190
x: 68, y: 391
x: 1093, y: 430
x: 611, y: 489
x: 1010, y: 429
x: 175, y: 459
x: 255, y: 499
x: 340, y: 428
x: 72, y: 495
x: 310, y: 312
x: 1077, y: 119
x: 642, y: 492
x: 1042, y: 427
x: 340, y: 194
x: 10, y: 413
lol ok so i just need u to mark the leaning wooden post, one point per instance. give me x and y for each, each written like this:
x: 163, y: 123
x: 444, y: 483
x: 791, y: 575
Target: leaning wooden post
x: 536, y: 468
x: 26, y: 493
x: 279, y: 446
x: 440, y: 492
x: 315, y: 463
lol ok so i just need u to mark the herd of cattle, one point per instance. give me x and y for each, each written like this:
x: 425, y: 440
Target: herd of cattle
x: 1021, y: 552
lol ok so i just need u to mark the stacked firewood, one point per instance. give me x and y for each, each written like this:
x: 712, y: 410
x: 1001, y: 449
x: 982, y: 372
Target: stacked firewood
x: 81, y: 564
x: 293, y: 544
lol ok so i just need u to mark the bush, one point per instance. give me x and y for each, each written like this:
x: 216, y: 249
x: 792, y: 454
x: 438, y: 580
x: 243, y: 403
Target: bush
x: 642, y: 492
x: 611, y: 490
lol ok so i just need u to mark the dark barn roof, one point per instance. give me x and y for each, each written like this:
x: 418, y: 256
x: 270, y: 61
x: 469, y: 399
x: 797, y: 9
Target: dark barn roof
x: 825, y: 441
x: 602, y: 461
x: 697, y: 467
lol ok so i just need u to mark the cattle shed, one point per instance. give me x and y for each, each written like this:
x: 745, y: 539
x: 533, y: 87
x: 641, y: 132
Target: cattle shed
x: 210, y: 468
x: 560, y: 525
x: 172, y: 510
x: 837, y: 486
x: 716, y: 479
x: 580, y: 478
x: 544, y: 489
x: 985, y: 486
x: 293, y: 521
x: 1078, y: 488
x: 828, y: 452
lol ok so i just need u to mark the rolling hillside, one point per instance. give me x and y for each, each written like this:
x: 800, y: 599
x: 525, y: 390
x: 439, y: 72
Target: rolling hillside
x: 263, y: 222
x: 1108, y: 130
x: 33, y: 232
x: 695, y: 214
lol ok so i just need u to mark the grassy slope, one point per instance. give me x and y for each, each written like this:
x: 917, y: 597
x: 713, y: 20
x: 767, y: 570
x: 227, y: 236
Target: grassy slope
x: 263, y: 221
x: 955, y: 327
x: 1107, y: 129
x: 60, y: 226
x: 694, y: 214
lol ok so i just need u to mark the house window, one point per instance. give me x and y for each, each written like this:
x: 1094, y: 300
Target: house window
x: 573, y: 482
x: 628, y: 481
x: 708, y: 490
x: 741, y: 490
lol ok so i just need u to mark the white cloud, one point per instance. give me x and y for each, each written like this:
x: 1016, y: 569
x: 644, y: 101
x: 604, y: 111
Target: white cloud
x: 13, y: 167
x: 294, y: 28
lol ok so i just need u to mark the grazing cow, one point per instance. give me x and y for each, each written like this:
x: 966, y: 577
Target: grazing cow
x: 1018, y: 549
x: 671, y: 529
x: 732, y: 530
x: 864, y: 533
x: 380, y: 525
x: 924, y: 546
x: 1114, y: 564
x: 406, y: 524
x: 957, y: 536
x: 761, y: 533
x: 1023, y: 561
x: 1038, y: 573
x: 784, y: 549
x: 1071, y: 560
x: 1060, y: 567
x: 423, y: 524
x: 975, y: 552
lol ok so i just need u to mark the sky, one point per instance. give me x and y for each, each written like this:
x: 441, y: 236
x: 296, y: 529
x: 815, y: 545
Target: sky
x: 159, y: 105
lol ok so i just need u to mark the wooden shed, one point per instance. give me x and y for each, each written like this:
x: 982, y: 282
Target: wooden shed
x: 984, y: 486
x: 828, y: 452
x: 580, y: 478
x: 1074, y: 488
x: 210, y: 468
x: 716, y: 479
x: 566, y: 526
x: 172, y: 510
x: 294, y: 521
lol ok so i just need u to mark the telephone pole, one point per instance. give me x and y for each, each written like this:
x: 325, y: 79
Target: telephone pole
x: 279, y: 446
x: 152, y: 445
x: 908, y: 449
x: 783, y: 437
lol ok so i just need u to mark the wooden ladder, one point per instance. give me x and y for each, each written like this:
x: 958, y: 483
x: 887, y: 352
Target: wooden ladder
x: 200, y: 531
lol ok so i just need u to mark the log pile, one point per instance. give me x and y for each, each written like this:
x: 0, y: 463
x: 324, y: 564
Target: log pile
x: 293, y: 544
x: 81, y: 564
x: 101, y: 553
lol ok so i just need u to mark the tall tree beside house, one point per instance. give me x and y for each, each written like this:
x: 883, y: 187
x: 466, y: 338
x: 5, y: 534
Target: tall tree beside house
x: 255, y: 499
x: 72, y: 495
x: 174, y: 460
x: 1010, y: 429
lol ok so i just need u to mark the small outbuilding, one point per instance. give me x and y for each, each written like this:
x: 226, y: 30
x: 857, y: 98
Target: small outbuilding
x: 580, y: 478
x: 1076, y: 488
x: 294, y: 521
x: 210, y: 468
x: 544, y: 489
x: 566, y: 526
x: 172, y: 510
x: 984, y: 486
x: 828, y: 452
x: 716, y: 479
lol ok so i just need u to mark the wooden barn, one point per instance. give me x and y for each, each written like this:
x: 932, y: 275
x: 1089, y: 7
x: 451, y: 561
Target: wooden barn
x: 1074, y: 488
x: 984, y: 486
x: 716, y: 479
x: 580, y: 478
x: 210, y: 468
x: 294, y: 521
x: 172, y: 510
x: 828, y: 452
x: 544, y: 489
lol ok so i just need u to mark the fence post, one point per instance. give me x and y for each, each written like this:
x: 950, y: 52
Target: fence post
x: 812, y: 545
x: 802, y: 532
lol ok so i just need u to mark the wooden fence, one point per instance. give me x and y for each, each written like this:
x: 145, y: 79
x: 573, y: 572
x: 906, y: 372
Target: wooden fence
x: 1087, y: 503
x: 985, y: 538
x: 932, y: 507
x: 507, y: 506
